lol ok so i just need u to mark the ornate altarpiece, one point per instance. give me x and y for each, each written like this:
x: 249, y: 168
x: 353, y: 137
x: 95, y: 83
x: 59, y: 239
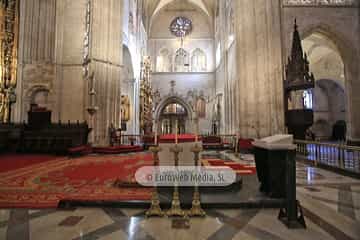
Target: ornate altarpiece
x: 9, y: 31
x: 146, y: 97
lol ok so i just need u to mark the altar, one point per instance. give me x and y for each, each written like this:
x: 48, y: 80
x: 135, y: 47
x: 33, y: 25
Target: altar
x: 185, y: 141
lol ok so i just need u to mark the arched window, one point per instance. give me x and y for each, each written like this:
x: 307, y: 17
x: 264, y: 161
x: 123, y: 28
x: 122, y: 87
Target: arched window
x: 164, y: 61
x: 198, y: 61
x: 231, y: 25
x: 218, y: 55
x: 181, y: 60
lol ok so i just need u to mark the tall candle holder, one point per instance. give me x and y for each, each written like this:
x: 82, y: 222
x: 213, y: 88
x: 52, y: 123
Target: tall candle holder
x: 196, y: 209
x: 175, y: 210
x: 237, y: 146
x: 155, y: 209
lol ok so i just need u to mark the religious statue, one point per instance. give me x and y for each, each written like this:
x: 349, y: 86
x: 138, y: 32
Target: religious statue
x: 201, y: 107
x: 125, y: 108
x: 156, y: 98
x: 8, y: 56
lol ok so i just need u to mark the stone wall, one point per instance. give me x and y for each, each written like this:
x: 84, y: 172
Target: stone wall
x: 36, y: 56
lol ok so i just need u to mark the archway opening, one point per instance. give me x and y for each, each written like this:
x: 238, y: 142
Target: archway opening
x: 328, y: 98
x: 173, y: 118
x: 40, y: 100
x: 127, y: 104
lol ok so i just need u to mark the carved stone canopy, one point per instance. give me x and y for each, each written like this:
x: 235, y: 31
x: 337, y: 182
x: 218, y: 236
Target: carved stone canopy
x: 298, y: 75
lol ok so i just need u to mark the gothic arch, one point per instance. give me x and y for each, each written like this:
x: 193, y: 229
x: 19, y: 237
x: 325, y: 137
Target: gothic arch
x: 198, y: 4
x: 128, y: 85
x: 173, y: 99
x: 34, y: 90
x: 127, y: 60
x: 31, y: 94
x: 345, y: 48
x: 350, y: 57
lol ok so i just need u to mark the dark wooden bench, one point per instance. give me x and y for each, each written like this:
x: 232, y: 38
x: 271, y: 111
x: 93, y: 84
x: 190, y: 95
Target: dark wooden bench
x: 212, y: 142
x: 80, y: 150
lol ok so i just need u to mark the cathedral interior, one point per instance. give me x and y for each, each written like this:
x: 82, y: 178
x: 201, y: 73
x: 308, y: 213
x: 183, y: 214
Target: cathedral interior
x: 253, y: 100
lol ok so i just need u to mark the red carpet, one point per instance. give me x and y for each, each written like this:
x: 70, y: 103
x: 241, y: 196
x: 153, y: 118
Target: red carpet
x: 44, y: 184
x: 239, y: 168
x: 10, y: 162
x: 170, y: 138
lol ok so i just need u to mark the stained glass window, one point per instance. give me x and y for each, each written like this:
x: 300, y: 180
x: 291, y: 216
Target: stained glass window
x: 181, y: 26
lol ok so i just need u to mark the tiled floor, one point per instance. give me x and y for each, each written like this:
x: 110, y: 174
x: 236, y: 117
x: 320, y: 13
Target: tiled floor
x: 331, y: 204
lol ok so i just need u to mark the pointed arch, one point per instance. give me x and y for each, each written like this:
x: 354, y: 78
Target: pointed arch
x: 198, y: 61
x: 173, y: 99
x: 349, y: 56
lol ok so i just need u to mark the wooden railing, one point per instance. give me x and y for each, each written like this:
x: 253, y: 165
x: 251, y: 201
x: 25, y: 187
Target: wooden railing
x: 338, y: 155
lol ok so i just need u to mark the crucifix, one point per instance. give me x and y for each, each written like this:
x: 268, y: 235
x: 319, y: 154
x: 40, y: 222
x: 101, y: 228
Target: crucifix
x: 172, y: 86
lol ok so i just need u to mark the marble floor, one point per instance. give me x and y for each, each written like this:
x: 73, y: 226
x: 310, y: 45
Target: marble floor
x: 330, y: 203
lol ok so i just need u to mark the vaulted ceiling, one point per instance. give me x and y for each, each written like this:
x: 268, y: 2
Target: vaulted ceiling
x: 154, y: 6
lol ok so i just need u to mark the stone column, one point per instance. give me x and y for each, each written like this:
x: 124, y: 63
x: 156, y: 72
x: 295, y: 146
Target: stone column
x: 259, y: 68
x: 106, y: 57
x: 352, y: 75
x: 70, y: 85
x: 36, y: 55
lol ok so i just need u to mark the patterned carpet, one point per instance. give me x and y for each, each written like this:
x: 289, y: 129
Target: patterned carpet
x: 43, y: 185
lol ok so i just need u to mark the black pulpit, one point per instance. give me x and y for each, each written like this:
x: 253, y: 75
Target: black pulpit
x: 298, y: 121
x: 298, y: 117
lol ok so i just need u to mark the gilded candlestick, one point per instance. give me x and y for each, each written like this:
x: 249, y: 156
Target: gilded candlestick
x: 155, y: 209
x: 196, y: 209
x: 175, y: 210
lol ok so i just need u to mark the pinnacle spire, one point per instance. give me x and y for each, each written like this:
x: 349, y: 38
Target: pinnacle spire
x: 297, y: 74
